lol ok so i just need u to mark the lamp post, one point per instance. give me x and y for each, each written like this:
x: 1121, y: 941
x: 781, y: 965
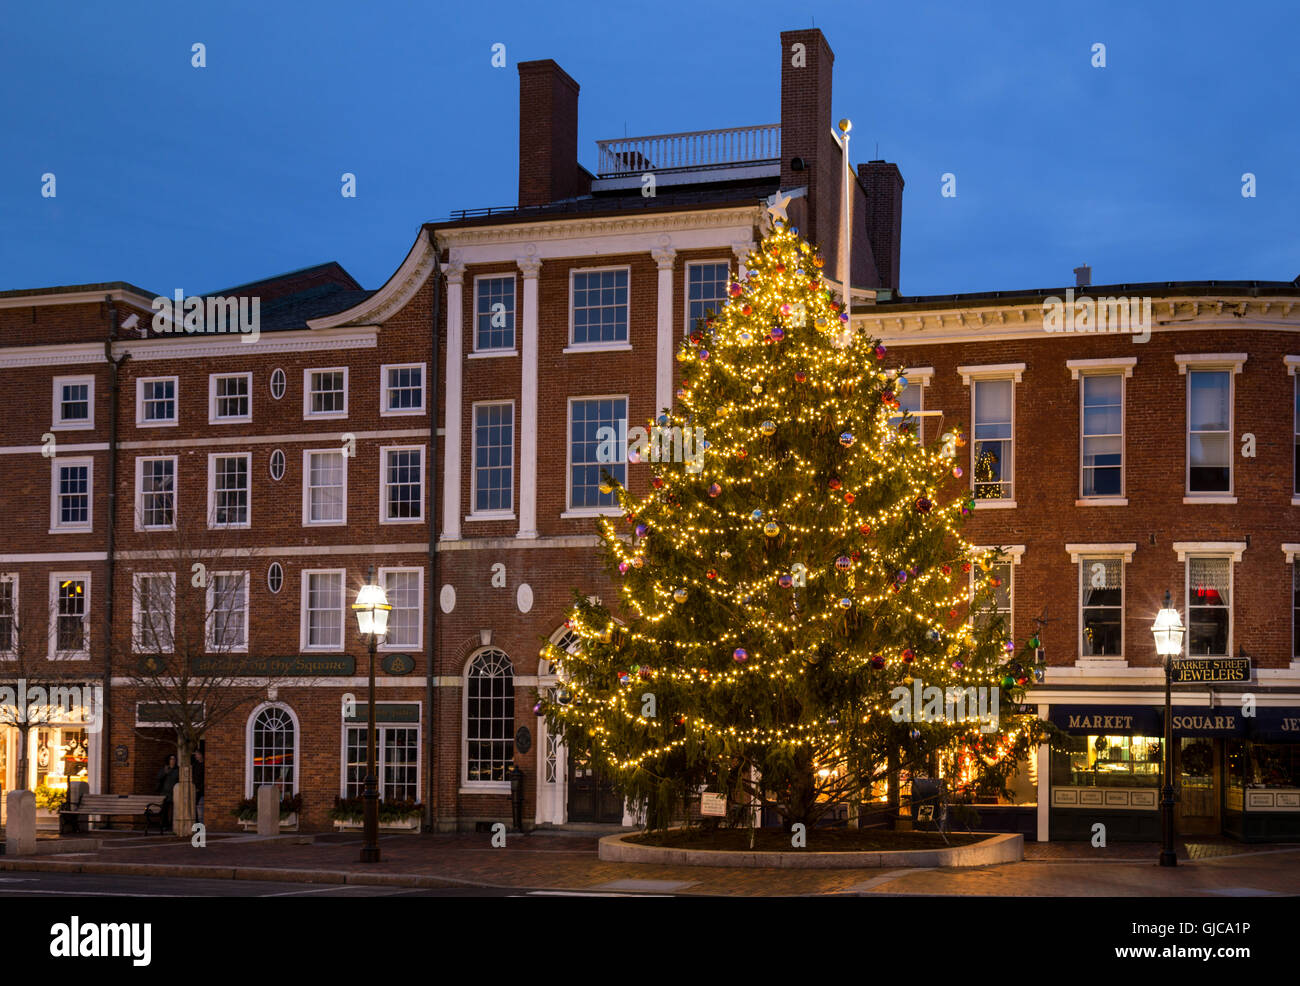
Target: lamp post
x: 372, y: 611
x: 1168, y: 630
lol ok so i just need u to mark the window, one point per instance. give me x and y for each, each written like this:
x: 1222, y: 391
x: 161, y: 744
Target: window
x: 706, y: 291
x: 909, y: 402
x: 276, y: 465
x: 325, y: 393
x: 599, y: 309
x: 403, y: 389
x: 1102, y: 431
x: 273, y: 751
x: 1209, y: 610
x: 397, y: 755
x: 999, y: 579
x: 992, y: 449
x: 74, y: 402
x: 71, y: 495
x: 227, y: 621
x: 1209, y: 431
x: 1102, y: 607
x: 489, y: 718
x: 229, y: 397
x: 494, y: 313
x: 278, y: 384
x: 8, y: 613
x: 597, y: 426
x: 155, y: 402
x: 325, y: 487
x: 404, y: 587
x: 492, y: 479
x: 1296, y: 488
x: 1295, y: 608
x: 69, y: 638
x: 228, y: 490
x: 155, y: 493
x: 322, y: 610
x: 153, y: 612
x: 275, y: 577
x: 402, y: 492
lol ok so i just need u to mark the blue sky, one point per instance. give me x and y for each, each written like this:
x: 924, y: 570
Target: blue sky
x: 171, y: 176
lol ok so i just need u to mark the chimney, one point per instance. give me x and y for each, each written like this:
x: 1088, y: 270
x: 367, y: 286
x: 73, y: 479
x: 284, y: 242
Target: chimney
x: 809, y: 154
x: 1082, y: 276
x: 884, y: 185
x: 548, y: 135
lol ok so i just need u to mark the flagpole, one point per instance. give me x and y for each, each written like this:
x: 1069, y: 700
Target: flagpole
x: 846, y: 198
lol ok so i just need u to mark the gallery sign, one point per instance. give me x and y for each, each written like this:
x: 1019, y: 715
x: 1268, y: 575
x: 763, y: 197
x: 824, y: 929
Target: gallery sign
x: 293, y: 666
x: 1201, y: 670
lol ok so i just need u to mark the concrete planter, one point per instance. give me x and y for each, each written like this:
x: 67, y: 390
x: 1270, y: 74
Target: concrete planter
x: 1000, y: 848
x: 287, y: 824
x: 411, y: 824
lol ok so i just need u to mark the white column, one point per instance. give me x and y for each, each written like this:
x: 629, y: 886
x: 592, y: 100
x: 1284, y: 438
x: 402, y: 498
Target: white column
x: 455, y: 273
x: 530, y: 267
x: 664, y: 257
x: 1044, y: 782
x: 742, y: 249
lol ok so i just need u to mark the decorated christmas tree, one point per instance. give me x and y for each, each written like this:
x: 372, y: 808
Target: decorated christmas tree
x: 793, y: 599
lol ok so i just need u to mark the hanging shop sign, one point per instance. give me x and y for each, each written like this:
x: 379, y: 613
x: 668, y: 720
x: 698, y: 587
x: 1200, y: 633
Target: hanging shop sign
x: 397, y: 664
x: 1202, y: 670
x: 1106, y: 720
x: 1274, y: 725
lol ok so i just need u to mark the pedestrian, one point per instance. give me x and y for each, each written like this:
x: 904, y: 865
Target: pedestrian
x: 169, y: 775
x: 196, y: 774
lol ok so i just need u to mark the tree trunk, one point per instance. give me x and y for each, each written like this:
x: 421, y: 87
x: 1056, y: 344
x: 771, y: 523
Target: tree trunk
x: 183, y: 802
x: 23, y: 766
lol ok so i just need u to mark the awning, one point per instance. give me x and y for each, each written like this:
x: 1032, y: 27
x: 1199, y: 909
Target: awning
x: 1274, y: 725
x: 1208, y: 722
x: 1106, y: 720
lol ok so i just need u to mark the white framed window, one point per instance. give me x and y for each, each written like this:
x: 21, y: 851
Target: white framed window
x: 494, y: 313
x: 492, y: 480
x: 1295, y: 609
x: 1101, y: 607
x: 156, y: 403
x: 405, y: 590
x: 70, y: 615
x: 8, y: 614
x: 1210, y: 399
x: 275, y: 577
x: 155, y: 492
x: 993, y: 448
x: 74, y: 403
x: 706, y: 291
x: 229, y: 491
x: 397, y: 756
x: 230, y: 398
x: 1101, y: 431
x: 598, y: 308
x: 401, y: 488
x: 323, y: 609
x: 227, y: 612
x: 325, y: 392
x: 324, y: 487
x: 72, y: 490
x: 278, y: 383
x: 153, y: 612
x: 403, y: 388
x: 489, y: 721
x: 276, y: 465
x: 1001, y: 576
x: 1295, y: 489
x: 597, y: 431
x: 272, y: 744
x: 1209, y: 605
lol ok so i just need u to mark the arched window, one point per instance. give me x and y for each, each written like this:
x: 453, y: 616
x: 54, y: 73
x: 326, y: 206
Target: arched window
x: 273, y: 750
x: 489, y: 717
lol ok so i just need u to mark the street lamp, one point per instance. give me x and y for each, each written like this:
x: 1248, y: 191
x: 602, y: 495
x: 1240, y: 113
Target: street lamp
x: 372, y: 611
x: 1168, y: 630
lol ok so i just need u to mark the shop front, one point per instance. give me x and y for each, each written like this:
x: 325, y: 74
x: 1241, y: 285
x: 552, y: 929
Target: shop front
x: 1106, y: 771
x: 1262, y: 795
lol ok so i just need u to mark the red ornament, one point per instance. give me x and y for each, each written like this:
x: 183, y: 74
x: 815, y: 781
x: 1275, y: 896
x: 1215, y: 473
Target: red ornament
x: 657, y: 483
x: 952, y: 614
x: 947, y: 569
x: 741, y: 453
x: 849, y: 498
x: 909, y: 655
x: 780, y: 268
x: 747, y: 310
x: 711, y: 573
x: 865, y: 530
x: 965, y: 566
x: 800, y: 376
x: 835, y: 483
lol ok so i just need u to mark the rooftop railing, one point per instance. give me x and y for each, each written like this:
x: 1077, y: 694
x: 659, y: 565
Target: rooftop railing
x: 698, y: 149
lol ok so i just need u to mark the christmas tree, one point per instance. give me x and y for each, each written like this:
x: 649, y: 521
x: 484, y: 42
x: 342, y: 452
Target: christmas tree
x: 796, y: 594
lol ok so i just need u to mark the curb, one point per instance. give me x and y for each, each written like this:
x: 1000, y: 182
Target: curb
x: 252, y: 873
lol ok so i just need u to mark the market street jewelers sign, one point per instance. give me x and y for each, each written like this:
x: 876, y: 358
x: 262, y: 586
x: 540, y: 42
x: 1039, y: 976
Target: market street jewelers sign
x: 294, y: 666
x: 1199, y: 670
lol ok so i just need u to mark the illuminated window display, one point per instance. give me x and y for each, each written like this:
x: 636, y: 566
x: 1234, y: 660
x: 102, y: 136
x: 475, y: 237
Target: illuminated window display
x: 1107, y: 761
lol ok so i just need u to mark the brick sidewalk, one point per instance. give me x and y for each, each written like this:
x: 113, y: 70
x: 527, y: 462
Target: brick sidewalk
x: 562, y: 862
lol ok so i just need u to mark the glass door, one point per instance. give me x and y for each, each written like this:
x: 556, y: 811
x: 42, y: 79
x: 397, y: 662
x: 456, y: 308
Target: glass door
x: 1198, y: 786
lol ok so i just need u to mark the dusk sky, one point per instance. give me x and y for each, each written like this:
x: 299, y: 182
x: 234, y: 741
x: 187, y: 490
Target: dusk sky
x: 170, y: 176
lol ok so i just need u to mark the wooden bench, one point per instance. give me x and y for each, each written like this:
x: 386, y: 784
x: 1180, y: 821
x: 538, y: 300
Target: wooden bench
x: 108, y: 805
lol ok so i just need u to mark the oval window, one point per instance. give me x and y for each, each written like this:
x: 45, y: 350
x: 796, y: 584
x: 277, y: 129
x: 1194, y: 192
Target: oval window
x: 277, y: 383
x: 277, y: 465
x: 274, y: 577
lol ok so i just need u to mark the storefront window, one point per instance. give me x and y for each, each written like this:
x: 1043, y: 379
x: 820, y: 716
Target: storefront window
x: 1263, y: 765
x: 1107, y: 761
x: 61, y: 755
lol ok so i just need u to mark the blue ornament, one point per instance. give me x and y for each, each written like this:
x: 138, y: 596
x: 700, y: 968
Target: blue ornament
x: 846, y: 438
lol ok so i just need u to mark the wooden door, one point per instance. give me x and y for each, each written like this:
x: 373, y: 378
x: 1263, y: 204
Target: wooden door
x: 1197, y: 777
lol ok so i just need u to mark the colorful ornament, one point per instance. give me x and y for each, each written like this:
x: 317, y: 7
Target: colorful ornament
x: 1034, y: 642
x: 909, y: 655
x: 800, y: 376
x: 901, y: 576
x: 746, y: 310
x: 784, y: 581
x: 736, y: 289
x: 835, y: 482
x: 880, y: 352
x: 757, y: 515
x: 704, y: 354
x: 623, y: 567
x: 1008, y: 681
x: 849, y: 497
x: 740, y: 655
x: 714, y: 489
x: 902, y: 383
x: 864, y: 530
x: 777, y: 333
x: 638, y: 562
x: 956, y: 472
x: 771, y: 528
x: 846, y: 438
x: 958, y: 665
x: 877, y: 661
x: 768, y: 428
x: 642, y: 530
x: 711, y: 573
x: 922, y: 505
x: 679, y: 595
x: 843, y: 563
x: 745, y: 338
x: 845, y: 602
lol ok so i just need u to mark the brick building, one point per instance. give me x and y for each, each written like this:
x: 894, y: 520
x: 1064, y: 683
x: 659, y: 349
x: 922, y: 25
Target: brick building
x: 522, y: 331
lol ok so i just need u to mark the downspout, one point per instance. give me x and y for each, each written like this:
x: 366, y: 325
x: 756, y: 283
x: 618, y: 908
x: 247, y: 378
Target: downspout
x: 114, y: 386
x: 431, y: 473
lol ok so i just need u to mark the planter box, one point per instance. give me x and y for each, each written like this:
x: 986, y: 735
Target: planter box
x: 411, y: 824
x: 287, y: 824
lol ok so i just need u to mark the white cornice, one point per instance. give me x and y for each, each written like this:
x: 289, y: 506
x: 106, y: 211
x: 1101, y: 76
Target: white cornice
x: 1230, y: 549
x: 295, y: 341
x: 1214, y: 361
x: 396, y: 292
x: 76, y: 298
x: 1119, y: 550
x: 1292, y: 363
x: 1077, y: 366
x: 1292, y: 550
x: 569, y: 227
x: 63, y: 354
x: 992, y: 370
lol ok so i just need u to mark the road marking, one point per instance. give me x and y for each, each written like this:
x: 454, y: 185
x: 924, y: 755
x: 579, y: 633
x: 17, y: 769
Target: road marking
x: 1244, y: 892
x: 320, y: 890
